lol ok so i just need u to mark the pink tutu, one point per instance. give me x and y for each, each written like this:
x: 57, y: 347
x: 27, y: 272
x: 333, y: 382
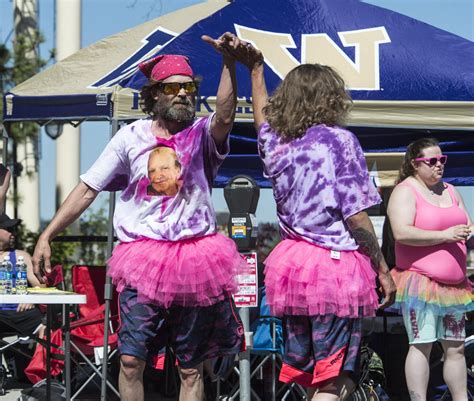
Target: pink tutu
x: 193, y: 272
x: 303, y: 279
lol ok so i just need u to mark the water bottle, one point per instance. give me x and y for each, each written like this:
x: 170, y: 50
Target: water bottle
x: 8, y: 280
x: 3, y: 274
x: 21, y: 276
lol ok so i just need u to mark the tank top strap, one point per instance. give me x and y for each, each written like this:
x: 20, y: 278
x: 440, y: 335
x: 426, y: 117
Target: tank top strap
x: 413, y: 188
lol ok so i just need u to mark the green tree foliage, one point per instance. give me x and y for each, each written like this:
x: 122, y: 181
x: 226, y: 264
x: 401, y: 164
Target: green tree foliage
x: 61, y: 252
x: 26, y: 63
x: 94, y: 223
x: 69, y: 253
x: 17, y: 65
x: 4, y: 59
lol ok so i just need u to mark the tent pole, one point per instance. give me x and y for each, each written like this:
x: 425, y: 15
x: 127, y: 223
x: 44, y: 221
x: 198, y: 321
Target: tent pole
x: 108, y: 282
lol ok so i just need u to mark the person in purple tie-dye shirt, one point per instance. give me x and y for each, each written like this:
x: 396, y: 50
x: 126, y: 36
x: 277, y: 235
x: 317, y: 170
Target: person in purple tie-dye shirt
x: 321, y: 277
x: 174, y: 272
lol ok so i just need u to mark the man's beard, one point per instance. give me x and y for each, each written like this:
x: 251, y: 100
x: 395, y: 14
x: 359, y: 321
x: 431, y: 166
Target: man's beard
x: 169, y: 112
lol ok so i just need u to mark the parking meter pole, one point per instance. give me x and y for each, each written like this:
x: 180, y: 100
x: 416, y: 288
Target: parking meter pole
x: 244, y: 357
x: 241, y: 194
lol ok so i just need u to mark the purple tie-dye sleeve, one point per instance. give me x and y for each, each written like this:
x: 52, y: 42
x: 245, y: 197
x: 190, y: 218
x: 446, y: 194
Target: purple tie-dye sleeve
x: 354, y: 187
x: 110, y: 171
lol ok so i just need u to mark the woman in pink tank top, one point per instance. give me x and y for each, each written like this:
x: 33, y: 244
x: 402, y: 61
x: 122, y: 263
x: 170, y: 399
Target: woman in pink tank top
x: 431, y: 227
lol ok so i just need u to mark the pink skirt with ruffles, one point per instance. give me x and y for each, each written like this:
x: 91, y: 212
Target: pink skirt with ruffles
x: 303, y: 279
x: 194, y: 272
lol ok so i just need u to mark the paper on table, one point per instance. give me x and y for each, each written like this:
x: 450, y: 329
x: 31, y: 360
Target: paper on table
x: 47, y: 290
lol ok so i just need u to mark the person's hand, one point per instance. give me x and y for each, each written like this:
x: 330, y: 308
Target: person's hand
x: 389, y: 289
x: 461, y: 232
x: 224, y: 44
x: 470, y: 238
x: 24, y: 307
x: 250, y: 56
x: 42, y: 259
x: 232, y: 47
x: 245, y: 53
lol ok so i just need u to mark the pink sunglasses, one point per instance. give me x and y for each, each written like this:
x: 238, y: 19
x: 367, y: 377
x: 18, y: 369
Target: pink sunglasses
x: 432, y: 161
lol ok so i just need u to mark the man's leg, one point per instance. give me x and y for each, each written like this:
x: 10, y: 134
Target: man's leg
x: 202, y: 333
x: 192, y: 384
x: 336, y: 389
x: 417, y: 370
x: 131, y: 378
x: 454, y: 369
x: 140, y: 324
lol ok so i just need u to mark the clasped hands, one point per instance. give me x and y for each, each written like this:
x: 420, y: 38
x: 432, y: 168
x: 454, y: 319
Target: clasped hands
x: 233, y: 48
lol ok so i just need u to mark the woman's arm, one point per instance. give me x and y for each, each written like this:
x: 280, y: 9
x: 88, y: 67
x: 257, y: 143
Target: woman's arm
x: 402, y: 211
x: 259, y: 94
x: 253, y: 59
x: 461, y: 205
x: 470, y: 238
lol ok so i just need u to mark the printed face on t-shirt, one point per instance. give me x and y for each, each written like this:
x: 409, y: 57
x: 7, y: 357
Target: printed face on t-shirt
x: 164, y: 170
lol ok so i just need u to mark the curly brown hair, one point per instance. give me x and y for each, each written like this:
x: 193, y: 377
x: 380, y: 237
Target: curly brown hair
x: 147, y: 97
x: 310, y: 94
x: 414, y: 150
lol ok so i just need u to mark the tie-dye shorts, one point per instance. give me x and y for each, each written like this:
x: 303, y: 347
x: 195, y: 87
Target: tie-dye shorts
x: 194, y: 333
x: 319, y: 348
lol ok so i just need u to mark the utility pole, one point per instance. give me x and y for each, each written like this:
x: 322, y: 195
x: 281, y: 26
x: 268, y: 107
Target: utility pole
x: 25, y: 14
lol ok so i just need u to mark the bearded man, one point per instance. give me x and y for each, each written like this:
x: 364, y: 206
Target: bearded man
x: 174, y: 272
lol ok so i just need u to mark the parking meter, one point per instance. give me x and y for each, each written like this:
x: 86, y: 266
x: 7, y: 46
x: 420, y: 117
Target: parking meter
x: 241, y: 195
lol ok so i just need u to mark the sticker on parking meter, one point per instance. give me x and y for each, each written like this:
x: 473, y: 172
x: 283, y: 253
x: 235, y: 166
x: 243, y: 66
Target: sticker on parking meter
x: 239, y: 231
x: 247, y: 295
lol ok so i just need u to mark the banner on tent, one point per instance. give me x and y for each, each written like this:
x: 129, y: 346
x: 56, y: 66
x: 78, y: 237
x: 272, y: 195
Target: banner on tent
x: 427, y: 114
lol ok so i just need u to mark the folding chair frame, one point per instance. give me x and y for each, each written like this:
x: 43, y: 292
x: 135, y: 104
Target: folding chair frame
x: 100, y: 315
x: 97, y: 372
x: 275, y: 357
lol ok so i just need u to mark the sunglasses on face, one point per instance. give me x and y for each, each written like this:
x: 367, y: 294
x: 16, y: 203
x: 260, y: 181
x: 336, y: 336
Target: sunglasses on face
x: 173, y: 88
x: 432, y: 161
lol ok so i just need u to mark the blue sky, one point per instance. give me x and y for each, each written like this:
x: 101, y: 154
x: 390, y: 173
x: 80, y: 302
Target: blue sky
x: 455, y: 16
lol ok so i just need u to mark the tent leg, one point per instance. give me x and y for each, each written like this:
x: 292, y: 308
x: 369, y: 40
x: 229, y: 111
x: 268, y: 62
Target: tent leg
x: 108, y: 283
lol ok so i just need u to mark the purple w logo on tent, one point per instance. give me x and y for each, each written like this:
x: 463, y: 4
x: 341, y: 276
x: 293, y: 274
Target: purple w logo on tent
x: 151, y: 45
